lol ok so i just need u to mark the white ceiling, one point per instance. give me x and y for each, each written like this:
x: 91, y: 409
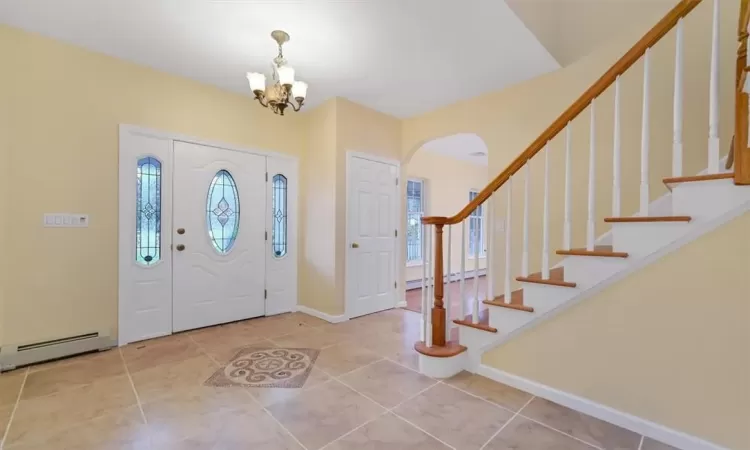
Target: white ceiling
x: 460, y: 146
x: 401, y: 57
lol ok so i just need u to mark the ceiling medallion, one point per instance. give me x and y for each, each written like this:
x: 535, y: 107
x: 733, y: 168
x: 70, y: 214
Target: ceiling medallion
x: 279, y: 95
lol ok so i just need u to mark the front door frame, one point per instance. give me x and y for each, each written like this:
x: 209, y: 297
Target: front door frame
x: 397, y: 269
x: 123, y: 246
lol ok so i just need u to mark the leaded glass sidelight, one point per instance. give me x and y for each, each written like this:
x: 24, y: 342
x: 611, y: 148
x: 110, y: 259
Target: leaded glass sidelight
x: 223, y: 211
x: 148, y: 211
x: 279, y: 212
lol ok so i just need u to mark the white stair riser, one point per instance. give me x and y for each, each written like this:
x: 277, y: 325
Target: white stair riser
x: 642, y: 239
x: 545, y: 298
x: 474, y: 340
x: 506, y: 319
x: 442, y: 367
x: 588, y: 271
x: 706, y: 199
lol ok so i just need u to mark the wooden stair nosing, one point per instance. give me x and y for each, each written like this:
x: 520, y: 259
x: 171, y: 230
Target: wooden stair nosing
x: 547, y: 282
x: 648, y: 219
x: 599, y: 253
x: 478, y: 326
x: 694, y: 178
x: 502, y: 304
x: 450, y: 349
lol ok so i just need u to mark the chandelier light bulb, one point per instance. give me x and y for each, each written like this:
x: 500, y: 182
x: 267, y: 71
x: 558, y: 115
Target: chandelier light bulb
x: 299, y: 89
x: 286, y: 75
x: 257, y: 81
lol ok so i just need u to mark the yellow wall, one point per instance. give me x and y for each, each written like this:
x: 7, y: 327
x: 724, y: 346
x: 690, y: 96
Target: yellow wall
x: 509, y: 120
x: 670, y: 344
x: 64, y: 109
x: 447, y: 185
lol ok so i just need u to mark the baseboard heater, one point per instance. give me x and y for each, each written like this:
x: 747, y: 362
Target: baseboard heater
x: 469, y: 274
x: 15, y: 356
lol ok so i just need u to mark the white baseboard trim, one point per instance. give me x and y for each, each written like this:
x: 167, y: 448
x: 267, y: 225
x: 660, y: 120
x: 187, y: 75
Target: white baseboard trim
x: 628, y: 421
x: 321, y: 315
x: 469, y: 274
x: 401, y: 304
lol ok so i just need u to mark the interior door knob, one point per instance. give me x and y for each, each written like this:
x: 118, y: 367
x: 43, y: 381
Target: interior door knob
x: 180, y: 247
x: 180, y: 231
x: 355, y: 245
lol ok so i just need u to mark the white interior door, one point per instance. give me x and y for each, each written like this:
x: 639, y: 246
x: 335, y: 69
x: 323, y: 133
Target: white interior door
x: 219, y: 236
x: 371, y: 218
x: 281, y: 249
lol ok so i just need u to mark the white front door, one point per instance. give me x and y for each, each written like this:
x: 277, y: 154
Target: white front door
x: 371, y: 211
x: 218, y: 234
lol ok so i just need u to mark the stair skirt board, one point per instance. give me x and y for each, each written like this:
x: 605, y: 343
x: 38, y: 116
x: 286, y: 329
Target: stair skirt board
x: 628, y: 421
x: 696, y: 230
x: 12, y: 357
x: 443, y: 367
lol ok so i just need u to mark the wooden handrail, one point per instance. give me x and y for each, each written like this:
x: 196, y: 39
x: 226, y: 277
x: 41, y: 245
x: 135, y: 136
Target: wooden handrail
x: 741, y: 152
x: 605, y: 81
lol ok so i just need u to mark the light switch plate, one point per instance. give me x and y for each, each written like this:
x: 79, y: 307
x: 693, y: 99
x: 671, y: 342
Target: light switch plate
x: 66, y: 220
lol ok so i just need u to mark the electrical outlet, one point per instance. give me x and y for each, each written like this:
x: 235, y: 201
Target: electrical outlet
x: 57, y: 220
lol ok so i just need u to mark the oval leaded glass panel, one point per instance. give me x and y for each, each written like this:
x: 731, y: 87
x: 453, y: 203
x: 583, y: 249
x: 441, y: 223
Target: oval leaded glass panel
x: 148, y: 211
x: 223, y: 211
x: 278, y: 201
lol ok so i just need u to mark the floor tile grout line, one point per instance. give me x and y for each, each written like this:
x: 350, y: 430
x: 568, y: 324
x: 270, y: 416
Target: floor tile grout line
x: 422, y: 429
x: 483, y: 399
x: 15, y: 407
x: 506, y: 424
x: 640, y: 446
x: 561, y: 432
x: 252, y: 398
x: 132, y: 385
x: 385, y: 412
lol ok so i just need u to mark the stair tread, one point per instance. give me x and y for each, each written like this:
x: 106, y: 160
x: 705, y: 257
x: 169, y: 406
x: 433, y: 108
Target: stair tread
x: 599, y: 250
x: 648, y: 219
x: 516, y: 302
x: 483, y: 324
x: 451, y: 348
x: 556, y: 278
x: 713, y: 176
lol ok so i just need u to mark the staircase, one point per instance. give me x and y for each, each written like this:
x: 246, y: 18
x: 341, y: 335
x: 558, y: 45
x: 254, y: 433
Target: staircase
x: 694, y: 206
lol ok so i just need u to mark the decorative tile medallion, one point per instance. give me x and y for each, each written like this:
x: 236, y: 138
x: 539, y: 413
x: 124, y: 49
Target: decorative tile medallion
x: 266, y: 368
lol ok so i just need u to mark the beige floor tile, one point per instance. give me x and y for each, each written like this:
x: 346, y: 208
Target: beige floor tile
x: 222, y: 353
x: 5, y: 412
x: 274, y: 326
x: 387, y: 433
x: 455, y: 417
x: 308, y: 338
x: 340, y: 359
x: 120, y: 430
x: 493, y: 391
x: 166, y: 350
x: 79, y: 372
x: 308, y: 319
x: 10, y: 386
x: 650, y: 444
x: 269, y: 396
x: 322, y: 414
x: 387, y: 382
x: 581, y: 426
x: 240, y: 429
x: 39, y: 417
x: 157, y: 382
x: 524, y: 434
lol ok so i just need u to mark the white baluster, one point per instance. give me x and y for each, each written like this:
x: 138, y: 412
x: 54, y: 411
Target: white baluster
x: 425, y: 294
x: 616, y: 154
x: 645, y: 134
x: 713, y: 99
x: 462, y: 281
x: 568, y: 188
x: 508, y: 242
x: 431, y: 284
x: 447, y: 288
x: 475, y: 309
x: 545, y: 217
x: 677, y: 107
x: 488, y: 233
x: 526, y: 195
x: 590, y: 225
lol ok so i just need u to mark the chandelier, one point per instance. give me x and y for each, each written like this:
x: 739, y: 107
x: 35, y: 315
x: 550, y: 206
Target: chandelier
x: 279, y: 95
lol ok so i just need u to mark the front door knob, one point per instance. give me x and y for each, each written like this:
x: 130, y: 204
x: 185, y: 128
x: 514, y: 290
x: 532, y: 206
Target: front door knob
x: 355, y: 245
x: 180, y: 231
x: 180, y: 247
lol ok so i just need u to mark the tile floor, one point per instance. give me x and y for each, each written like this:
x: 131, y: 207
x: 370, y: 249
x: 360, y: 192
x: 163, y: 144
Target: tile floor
x: 363, y: 393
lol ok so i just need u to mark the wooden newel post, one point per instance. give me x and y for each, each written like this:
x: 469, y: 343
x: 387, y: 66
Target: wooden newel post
x: 741, y: 151
x: 438, y: 310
